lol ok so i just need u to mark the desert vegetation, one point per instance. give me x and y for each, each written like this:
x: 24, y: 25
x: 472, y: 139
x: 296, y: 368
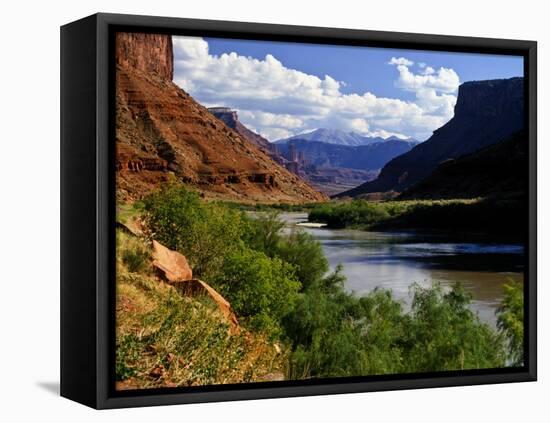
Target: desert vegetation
x: 297, y: 319
x: 489, y: 215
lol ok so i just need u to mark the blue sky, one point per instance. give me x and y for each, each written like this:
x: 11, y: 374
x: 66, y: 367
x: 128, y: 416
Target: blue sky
x: 282, y: 89
x: 364, y: 68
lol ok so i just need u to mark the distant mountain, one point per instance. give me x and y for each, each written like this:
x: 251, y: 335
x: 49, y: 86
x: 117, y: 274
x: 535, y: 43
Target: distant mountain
x: 486, y: 112
x: 497, y: 169
x: 364, y: 157
x: 336, y: 136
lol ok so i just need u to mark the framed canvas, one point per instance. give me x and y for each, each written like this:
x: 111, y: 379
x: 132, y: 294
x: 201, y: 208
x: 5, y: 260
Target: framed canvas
x: 258, y: 211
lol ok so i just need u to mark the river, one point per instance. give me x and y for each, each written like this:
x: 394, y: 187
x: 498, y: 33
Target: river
x: 394, y: 260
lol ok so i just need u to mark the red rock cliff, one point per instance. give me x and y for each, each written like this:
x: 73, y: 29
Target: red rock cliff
x: 149, y: 53
x: 163, y: 134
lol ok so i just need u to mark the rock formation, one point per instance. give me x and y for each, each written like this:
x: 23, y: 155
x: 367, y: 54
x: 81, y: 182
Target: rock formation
x: 148, y: 53
x: 364, y: 157
x: 231, y: 119
x: 486, y: 112
x: 162, y: 133
x: 333, y: 168
x: 172, y: 265
x: 495, y: 170
x: 173, y: 268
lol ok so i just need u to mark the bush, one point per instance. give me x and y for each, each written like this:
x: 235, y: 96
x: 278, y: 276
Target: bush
x: 510, y: 320
x: 278, y: 285
x: 305, y: 254
x: 442, y: 333
x: 488, y: 215
x: 263, y: 232
x: 259, y: 288
x: 204, y: 233
x: 323, y: 331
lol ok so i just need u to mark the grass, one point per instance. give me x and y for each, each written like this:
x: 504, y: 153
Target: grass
x: 125, y: 212
x: 165, y: 339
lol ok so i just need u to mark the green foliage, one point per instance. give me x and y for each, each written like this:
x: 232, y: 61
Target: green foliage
x: 260, y: 289
x: 489, y: 215
x: 306, y: 255
x: 278, y: 285
x: 383, y: 329
x: 354, y: 213
x: 510, y: 320
x: 264, y: 232
x: 323, y: 332
x: 298, y: 248
x: 442, y: 333
x: 338, y: 334
x: 203, y: 232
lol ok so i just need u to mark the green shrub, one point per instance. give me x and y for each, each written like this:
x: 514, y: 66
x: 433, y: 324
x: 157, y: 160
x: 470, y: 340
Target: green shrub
x: 510, y: 320
x: 259, y: 288
x: 324, y: 334
x: 442, y: 333
x: 203, y: 232
x: 306, y: 254
x: 488, y: 215
x: 278, y: 285
x: 383, y: 330
x: 263, y: 232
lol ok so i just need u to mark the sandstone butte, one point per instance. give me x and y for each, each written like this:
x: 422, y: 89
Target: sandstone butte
x: 162, y: 134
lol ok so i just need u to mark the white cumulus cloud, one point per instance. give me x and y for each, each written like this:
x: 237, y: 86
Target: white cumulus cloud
x: 400, y: 61
x: 278, y: 101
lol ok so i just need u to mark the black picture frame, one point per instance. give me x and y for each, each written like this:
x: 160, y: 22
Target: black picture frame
x: 87, y: 210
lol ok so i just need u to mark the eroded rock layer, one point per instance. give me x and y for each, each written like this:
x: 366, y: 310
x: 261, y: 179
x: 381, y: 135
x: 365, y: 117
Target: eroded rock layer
x: 162, y: 133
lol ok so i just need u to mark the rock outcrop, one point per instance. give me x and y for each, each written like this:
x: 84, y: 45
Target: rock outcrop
x: 172, y: 265
x: 195, y: 287
x: 162, y: 133
x: 173, y: 268
x: 231, y: 119
x: 148, y: 53
x: 486, y: 112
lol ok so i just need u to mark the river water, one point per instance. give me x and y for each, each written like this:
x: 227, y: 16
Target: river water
x: 395, y: 260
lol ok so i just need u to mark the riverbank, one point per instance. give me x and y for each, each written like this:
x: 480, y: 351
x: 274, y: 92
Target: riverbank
x: 282, y: 289
x: 496, y: 216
